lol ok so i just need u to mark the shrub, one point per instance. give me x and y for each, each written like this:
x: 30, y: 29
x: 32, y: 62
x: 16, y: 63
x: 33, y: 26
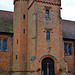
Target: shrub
x: 39, y: 69
x: 60, y: 69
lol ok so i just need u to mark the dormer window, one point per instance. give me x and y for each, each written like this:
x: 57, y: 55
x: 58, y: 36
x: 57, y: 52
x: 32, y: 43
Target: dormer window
x: 47, y: 13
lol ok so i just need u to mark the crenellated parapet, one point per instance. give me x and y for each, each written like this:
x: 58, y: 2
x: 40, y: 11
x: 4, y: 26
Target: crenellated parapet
x: 51, y: 2
x: 19, y: 0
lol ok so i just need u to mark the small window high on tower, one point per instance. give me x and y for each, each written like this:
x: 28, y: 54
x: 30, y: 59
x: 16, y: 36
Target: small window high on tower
x: 47, y: 35
x: 24, y: 16
x: 47, y: 13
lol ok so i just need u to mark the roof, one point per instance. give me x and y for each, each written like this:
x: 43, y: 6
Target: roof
x: 6, y: 25
x: 6, y: 21
x: 68, y: 29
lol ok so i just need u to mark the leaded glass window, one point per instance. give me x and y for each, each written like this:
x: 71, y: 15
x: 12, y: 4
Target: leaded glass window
x: 4, y: 46
x: 47, y: 13
x: 47, y: 35
x: 69, y: 49
x: 65, y: 49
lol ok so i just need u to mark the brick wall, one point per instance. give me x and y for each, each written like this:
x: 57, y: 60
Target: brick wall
x: 38, y: 47
x: 20, y: 36
x: 31, y: 47
x: 70, y: 58
x: 5, y: 55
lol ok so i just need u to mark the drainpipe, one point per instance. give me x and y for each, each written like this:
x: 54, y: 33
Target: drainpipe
x: 11, y: 54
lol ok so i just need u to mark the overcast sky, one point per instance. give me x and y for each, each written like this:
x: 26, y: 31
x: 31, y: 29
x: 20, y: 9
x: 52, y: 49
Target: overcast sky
x: 67, y: 12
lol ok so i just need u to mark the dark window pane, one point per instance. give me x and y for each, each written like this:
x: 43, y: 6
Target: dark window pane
x: 4, y: 47
x: 24, y: 31
x: 65, y: 49
x: 0, y: 44
x: 47, y: 35
x: 47, y: 13
x: 69, y: 49
x: 24, y: 16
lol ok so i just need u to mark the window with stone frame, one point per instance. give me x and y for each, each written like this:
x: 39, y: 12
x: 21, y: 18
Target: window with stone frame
x: 47, y: 13
x: 48, y: 10
x: 48, y: 35
x: 67, y: 49
x: 4, y: 45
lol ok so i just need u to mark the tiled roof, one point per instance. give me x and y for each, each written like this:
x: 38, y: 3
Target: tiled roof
x: 6, y: 25
x: 68, y: 29
x: 6, y: 21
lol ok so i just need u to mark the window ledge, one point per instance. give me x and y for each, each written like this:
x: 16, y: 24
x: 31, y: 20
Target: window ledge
x: 33, y: 37
x: 4, y: 51
x: 68, y: 55
x: 47, y: 18
x: 47, y: 7
x: 47, y: 40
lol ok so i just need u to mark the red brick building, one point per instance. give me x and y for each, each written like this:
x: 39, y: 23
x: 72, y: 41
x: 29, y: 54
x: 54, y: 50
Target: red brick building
x: 35, y: 40
x: 6, y: 34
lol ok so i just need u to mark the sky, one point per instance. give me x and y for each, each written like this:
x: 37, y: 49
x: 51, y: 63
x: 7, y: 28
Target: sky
x: 67, y: 11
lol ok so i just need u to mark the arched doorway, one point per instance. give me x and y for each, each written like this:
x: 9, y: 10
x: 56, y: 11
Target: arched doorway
x: 48, y: 66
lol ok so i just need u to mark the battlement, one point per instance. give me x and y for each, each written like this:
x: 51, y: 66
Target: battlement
x: 20, y: 0
x: 51, y: 2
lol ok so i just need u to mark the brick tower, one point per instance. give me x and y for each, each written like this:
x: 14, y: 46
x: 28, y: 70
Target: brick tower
x: 20, y: 37
x: 38, y: 45
x: 45, y: 43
